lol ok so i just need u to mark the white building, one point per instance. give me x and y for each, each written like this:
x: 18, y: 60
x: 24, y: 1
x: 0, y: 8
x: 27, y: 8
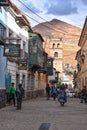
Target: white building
x: 17, y: 33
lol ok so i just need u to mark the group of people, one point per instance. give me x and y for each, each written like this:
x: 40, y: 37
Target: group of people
x: 55, y: 92
x: 16, y: 94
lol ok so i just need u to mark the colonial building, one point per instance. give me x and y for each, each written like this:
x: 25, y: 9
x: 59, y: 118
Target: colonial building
x: 17, y: 35
x: 22, y: 57
x: 82, y: 57
x: 2, y: 58
x: 56, y: 51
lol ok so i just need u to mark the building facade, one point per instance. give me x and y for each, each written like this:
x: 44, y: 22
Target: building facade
x: 56, y: 51
x: 22, y: 57
x: 82, y: 57
x: 3, y: 26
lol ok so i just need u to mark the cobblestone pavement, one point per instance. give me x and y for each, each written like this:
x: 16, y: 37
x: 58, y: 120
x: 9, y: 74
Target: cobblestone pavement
x: 35, y: 112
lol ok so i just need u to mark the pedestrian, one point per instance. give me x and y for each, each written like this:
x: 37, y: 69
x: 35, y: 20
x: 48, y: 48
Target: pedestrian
x: 12, y: 93
x: 84, y: 95
x: 8, y: 95
x: 62, y: 94
x: 54, y: 92
x: 47, y: 91
x: 19, y: 96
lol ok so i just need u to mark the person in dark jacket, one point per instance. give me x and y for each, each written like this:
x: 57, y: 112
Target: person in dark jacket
x: 19, y: 95
x: 84, y: 95
x: 47, y: 91
x: 62, y: 93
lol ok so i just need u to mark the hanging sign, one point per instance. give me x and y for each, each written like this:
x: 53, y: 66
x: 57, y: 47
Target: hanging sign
x: 12, y: 50
x: 22, y: 64
x: 4, y: 2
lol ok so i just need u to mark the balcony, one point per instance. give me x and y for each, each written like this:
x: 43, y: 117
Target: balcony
x: 50, y: 66
x: 35, y: 51
x: 4, y: 2
x: 78, y: 67
x: 44, y: 68
x: 20, y: 21
x: 2, y: 34
x: 22, y: 60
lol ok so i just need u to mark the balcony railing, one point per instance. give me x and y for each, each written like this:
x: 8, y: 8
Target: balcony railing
x: 4, y: 2
x: 2, y: 32
x: 22, y: 60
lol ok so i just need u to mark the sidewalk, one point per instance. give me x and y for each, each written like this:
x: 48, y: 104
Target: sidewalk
x: 42, y: 114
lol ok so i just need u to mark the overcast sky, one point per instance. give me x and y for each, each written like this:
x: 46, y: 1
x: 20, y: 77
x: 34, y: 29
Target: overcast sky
x: 70, y: 11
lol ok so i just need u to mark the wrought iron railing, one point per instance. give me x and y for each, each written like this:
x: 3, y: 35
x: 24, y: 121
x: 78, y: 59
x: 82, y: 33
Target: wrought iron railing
x: 2, y: 32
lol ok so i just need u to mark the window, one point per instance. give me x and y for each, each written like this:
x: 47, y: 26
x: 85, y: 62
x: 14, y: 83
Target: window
x: 11, y: 33
x: 53, y: 45
x: 85, y: 80
x: 2, y: 31
x: 0, y: 9
x: 24, y: 45
x: 58, y: 45
x: 56, y: 54
x: 33, y: 49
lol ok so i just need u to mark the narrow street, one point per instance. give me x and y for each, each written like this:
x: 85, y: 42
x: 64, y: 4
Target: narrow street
x: 42, y: 114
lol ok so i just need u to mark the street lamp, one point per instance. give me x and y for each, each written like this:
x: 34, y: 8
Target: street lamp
x: 78, y: 67
x: 83, y: 58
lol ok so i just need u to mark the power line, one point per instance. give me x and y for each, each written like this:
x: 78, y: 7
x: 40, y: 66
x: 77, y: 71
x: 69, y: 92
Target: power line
x: 43, y: 24
x: 40, y: 16
x: 44, y: 20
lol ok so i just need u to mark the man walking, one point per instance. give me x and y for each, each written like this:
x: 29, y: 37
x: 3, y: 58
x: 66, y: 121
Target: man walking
x: 19, y: 95
x: 12, y: 93
x: 47, y: 91
x: 84, y: 95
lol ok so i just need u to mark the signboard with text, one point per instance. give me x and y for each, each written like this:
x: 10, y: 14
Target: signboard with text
x: 12, y: 50
x: 4, y: 2
x: 22, y: 64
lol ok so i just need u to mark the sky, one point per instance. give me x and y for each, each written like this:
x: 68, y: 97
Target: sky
x: 71, y: 11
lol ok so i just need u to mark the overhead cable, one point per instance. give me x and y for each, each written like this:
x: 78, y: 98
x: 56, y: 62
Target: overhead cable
x: 45, y: 21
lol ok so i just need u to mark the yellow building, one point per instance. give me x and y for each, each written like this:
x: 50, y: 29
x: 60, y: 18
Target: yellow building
x: 83, y: 56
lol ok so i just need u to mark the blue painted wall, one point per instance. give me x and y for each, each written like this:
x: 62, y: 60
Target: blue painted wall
x: 2, y: 58
x: 2, y: 68
x: 3, y: 16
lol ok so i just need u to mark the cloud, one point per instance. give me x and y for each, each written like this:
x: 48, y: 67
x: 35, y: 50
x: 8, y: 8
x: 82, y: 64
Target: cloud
x: 31, y: 7
x: 84, y: 2
x: 71, y: 11
x: 62, y: 7
x: 27, y: 6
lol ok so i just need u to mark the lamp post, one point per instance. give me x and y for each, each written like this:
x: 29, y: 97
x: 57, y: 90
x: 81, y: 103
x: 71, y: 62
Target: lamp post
x: 83, y: 58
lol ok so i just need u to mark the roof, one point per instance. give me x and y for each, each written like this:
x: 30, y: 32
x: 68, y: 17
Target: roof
x: 39, y: 36
x: 80, y: 43
x: 20, y: 14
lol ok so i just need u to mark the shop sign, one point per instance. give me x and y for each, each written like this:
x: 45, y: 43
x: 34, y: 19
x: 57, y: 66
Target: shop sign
x: 4, y: 2
x: 12, y: 50
x: 22, y: 64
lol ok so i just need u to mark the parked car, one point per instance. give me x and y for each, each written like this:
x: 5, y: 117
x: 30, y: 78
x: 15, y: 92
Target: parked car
x: 70, y: 94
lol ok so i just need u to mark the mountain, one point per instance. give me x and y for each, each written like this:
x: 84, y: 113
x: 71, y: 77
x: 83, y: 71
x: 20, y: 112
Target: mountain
x: 56, y: 28
x: 69, y: 34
